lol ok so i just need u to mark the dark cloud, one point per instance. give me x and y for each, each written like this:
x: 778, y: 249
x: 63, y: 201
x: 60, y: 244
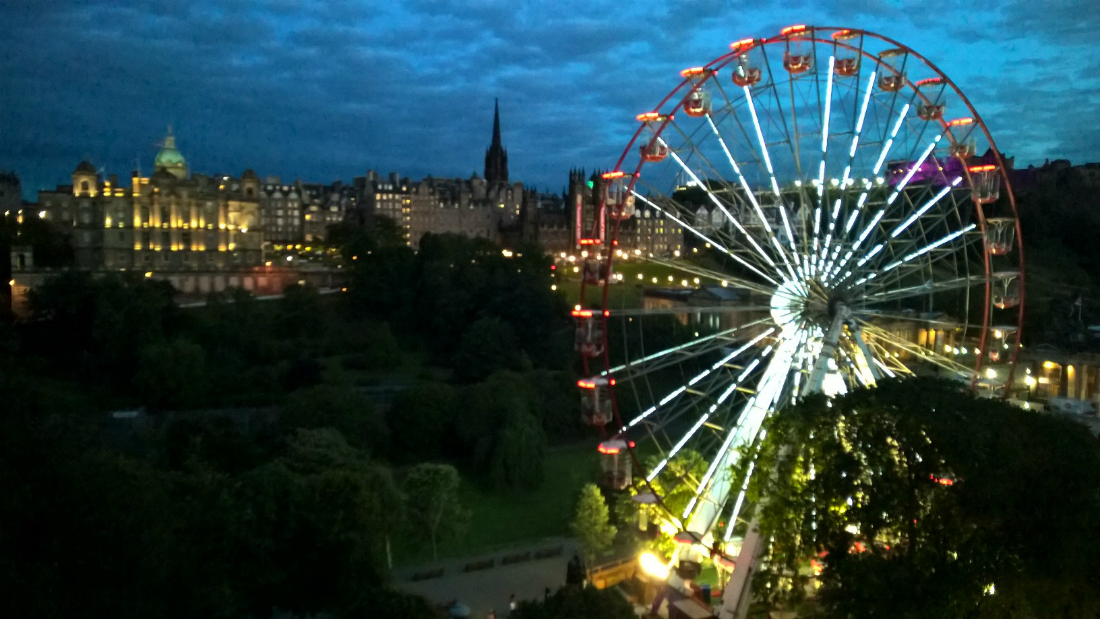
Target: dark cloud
x: 324, y: 89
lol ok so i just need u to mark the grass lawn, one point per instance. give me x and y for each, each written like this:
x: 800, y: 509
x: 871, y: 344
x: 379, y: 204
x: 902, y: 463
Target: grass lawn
x: 619, y: 295
x: 628, y: 293
x: 505, y: 518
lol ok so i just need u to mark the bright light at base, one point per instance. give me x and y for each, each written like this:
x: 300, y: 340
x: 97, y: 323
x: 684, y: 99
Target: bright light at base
x: 652, y: 565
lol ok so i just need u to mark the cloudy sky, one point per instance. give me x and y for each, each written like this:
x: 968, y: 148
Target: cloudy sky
x: 326, y: 89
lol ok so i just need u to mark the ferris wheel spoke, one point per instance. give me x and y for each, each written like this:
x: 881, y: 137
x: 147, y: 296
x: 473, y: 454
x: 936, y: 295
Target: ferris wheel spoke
x: 718, y: 383
x: 915, y: 254
x: 690, y: 349
x: 846, y: 181
x: 751, y: 197
x: 902, y: 268
x: 937, y: 319
x: 917, y: 351
x: 928, y: 288
x: 690, y: 309
x: 712, y: 491
x: 726, y: 359
x: 889, y: 363
x: 780, y: 202
x: 722, y: 248
x: 918, y: 238
x: 733, y: 220
x: 725, y: 278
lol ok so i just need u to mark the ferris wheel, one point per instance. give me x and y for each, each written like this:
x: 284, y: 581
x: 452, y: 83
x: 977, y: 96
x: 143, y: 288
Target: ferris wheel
x: 847, y: 218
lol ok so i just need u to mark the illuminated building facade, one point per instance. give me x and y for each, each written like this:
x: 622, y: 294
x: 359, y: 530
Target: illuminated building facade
x: 171, y: 220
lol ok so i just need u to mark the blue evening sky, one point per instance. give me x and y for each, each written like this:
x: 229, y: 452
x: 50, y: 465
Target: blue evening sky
x: 324, y: 90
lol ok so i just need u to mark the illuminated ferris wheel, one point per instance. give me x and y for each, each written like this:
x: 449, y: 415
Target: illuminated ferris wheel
x: 847, y: 217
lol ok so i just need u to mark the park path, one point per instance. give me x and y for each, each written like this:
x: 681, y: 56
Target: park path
x: 488, y: 589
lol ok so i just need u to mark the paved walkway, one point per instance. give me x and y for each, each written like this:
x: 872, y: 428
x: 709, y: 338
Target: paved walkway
x: 489, y: 589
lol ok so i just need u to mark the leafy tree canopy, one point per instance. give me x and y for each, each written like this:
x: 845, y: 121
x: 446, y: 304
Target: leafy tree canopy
x: 919, y: 482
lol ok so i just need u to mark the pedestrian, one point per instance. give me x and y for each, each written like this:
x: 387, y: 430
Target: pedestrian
x: 512, y: 604
x: 492, y: 615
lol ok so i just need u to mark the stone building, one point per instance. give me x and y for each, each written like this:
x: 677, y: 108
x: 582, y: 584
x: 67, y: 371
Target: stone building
x: 386, y: 196
x: 281, y: 207
x: 326, y: 205
x: 473, y: 208
x: 483, y: 207
x: 171, y: 220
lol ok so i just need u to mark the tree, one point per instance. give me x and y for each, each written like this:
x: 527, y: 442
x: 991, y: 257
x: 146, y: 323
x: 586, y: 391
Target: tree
x: 499, y: 433
x: 172, y: 375
x: 591, y: 524
x: 340, y: 408
x: 431, y: 504
x: 917, y: 496
x: 421, y: 422
x: 315, y: 526
x: 574, y: 602
x: 519, y: 453
x: 487, y: 346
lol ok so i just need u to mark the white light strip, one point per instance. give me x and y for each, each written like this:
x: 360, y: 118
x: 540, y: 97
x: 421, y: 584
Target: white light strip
x: 717, y: 459
x: 946, y: 239
x: 733, y: 354
x: 717, y: 245
x: 698, y: 378
x: 859, y: 241
x: 732, y: 520
x: 870, y: 254
x: 698, y: 424
x: 928, y: 248
x: 667, y: 351
x: 751, y: 367
x: 722, y: 398
x: 670, y: 396
x: 890, y: 142
x: 851, y: 220
x: 924, y: 209
x: 768, y: 392
x: 828, y: 108
x: 862, y: 114
x: 750, y: 195
x: 760, y: 136
x: 883, y: 366
x: 718, y: 203
x: 913, y: 170
x: 870, y: 226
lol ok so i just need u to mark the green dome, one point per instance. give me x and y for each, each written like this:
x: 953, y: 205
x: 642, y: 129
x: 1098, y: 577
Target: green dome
x: 169, y: 159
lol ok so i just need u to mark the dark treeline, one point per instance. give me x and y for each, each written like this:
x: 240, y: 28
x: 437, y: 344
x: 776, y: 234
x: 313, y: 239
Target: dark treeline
x: 1059, y: 218
x: 302, y: 508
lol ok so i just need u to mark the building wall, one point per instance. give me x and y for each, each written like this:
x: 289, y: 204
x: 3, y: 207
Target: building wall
x: 160, y: 222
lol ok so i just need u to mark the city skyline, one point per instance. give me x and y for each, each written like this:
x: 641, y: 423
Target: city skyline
x: 322, y: 91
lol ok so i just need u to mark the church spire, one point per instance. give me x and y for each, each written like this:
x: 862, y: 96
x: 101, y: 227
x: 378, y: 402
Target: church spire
x: 496, y: 124
x: 496, y: 157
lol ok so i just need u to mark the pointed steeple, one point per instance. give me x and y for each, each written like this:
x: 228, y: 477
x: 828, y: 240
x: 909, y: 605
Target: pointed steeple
x: 496, y: 124
x: 496, y: 158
